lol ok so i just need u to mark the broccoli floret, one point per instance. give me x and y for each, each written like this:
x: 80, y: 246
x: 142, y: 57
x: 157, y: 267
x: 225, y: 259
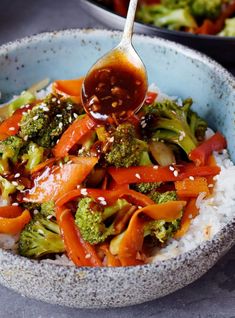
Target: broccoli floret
x: 162, y: 16
x: 40, y: 237
x: 126, y: 150
x: 175, y: 4
x: 175, y: 124
x: 46, y: 209
x: 31, y: 206
x: 33, y: 156
x: 229, y: 29
x: 46, y: 122
x: 161, y: 230
x: 24, y: 99
x: 146, y: 187
x: 158, y: 197
x: 92, y: 219
x: 206, y: 9
x: 33, y: 122
x: 7, y: 110
x: 7, y: 188
x: 9, y: 150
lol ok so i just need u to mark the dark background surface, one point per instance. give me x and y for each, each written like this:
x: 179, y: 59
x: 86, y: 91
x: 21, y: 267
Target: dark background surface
x: 211, y: 296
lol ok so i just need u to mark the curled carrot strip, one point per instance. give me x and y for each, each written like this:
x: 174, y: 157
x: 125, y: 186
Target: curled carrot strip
x: 51, y: 184
x: 191, y: 188
x: 133, y: 238
x: 109, y: 195
x: 190, y: 212
x: 78, y: 129
x: 10, y: 211
x: 71, y: 87
x: 111, y: 260
x: 14, y: 225
x: 79, y: 251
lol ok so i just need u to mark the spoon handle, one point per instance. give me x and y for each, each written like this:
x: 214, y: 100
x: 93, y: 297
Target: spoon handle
x: 128, y: 29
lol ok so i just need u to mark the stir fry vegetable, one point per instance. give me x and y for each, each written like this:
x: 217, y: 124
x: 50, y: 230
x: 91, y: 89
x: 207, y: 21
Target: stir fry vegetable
x: 215, y: 17
x: 103, y: 194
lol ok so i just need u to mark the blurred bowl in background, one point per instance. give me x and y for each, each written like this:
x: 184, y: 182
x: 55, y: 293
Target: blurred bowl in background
x: 220, y: 48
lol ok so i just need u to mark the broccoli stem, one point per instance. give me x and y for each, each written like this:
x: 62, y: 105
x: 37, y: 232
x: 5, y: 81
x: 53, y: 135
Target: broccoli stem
x: 183, y: 136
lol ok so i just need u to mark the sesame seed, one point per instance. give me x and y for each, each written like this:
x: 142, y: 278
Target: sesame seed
x: 17, y: 175
x: 40, y: 231
x: 75, y: 115
x: 137, y: 176
x: 49, y: 217
x: 80, y: 151
x: 176, y: 173
x: 26, y: 138
x: 103, y: 202
x: 84, y: 192
x: 35, y: 211
x: 15, y: 183
x: 11, y: 128
x: 191, y: 178
x: 60, y: 125
x: 88, y: 256
x: 59, y: 115
x: 144, y: 125
x: 171, y: 168
x: 53, y: 99
x: 182, y: 135
x: 101, y: 198
x: 111, y: 139
x: 46, y: 109
x: 70, y: 119
x: 15, y: 204
x: 155, y: 167
x: 78, y: 186
x: 190, y: 216
x: 24, y: 113
x: 57, y: 141
x: 210, y: 185
x: 35, y: 117
x: 61, y: 164
x: 58, y: 102
x: 139, y: 207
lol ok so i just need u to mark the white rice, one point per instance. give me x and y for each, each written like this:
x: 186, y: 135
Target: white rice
x: 214, y: 213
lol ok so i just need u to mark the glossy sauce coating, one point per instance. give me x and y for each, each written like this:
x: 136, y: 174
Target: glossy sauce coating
x: 114, y: 92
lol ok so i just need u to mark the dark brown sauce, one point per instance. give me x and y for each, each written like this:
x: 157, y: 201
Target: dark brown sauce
x: 114, y: 92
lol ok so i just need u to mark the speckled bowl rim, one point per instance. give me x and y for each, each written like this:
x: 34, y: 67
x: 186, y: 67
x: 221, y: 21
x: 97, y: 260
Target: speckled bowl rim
x: 205, y: 247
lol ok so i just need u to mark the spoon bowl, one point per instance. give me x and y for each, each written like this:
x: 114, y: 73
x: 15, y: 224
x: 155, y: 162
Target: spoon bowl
x: 116, y: 85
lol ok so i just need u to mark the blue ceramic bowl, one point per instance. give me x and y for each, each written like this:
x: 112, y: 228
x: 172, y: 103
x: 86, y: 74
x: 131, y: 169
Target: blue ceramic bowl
x: 177, y: 71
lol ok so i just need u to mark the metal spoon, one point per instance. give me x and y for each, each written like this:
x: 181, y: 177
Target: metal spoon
x: 116, y: 85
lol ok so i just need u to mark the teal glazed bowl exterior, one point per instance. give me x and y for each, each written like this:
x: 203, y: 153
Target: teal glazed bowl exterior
x: 177, y: 71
